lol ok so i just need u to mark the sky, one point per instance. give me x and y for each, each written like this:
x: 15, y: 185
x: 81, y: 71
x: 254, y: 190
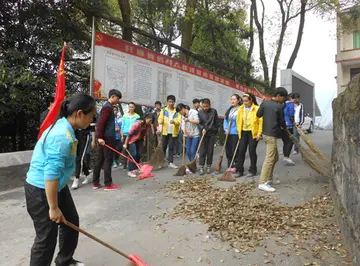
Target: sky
x: 316, y: 58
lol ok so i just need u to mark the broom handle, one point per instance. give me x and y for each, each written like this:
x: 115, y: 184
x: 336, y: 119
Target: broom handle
x: 138, y: 166
x: 233, y: 158
x: 201, y: 140
x: 95, y: 239
x: 123, y: 155
x: 226, y: 138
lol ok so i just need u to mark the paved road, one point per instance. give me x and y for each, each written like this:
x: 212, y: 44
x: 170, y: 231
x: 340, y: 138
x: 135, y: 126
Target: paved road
x: 124, y: 219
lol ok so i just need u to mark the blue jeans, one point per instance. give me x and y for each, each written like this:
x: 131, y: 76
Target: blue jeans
x: 135, y: 151
x: 191, y: 146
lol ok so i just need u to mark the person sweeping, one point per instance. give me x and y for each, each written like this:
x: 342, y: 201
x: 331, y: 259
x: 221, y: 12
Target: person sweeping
x: 48, y: 198
x: 136, y: 140
x: 273, y: 126
x: 208, y: 124
x: 249, y: 128
x: 190, y: 127
x: 230, y: 127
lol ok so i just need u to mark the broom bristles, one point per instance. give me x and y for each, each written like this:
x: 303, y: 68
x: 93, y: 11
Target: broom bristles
x: 227, y: 177
x: 311, y: 145
x: 192, y: 166
x: 181, y: 171
x: 318, y: 164
x: 218, y: 166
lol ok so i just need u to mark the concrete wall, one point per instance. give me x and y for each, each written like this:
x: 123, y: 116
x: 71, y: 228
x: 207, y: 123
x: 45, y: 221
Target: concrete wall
x: 13, y: 168
x: 346, y: 165
x: 294, y: 82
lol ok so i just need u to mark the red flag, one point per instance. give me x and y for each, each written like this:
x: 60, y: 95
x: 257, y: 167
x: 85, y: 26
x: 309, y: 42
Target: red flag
x: 59, y: 96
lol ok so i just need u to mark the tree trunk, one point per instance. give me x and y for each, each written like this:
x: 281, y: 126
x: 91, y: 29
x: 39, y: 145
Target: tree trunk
x: 299, y: 35
x: 187, y: 28
x: 251, y: 46
x: 125, y: 9
x: 260, y: 28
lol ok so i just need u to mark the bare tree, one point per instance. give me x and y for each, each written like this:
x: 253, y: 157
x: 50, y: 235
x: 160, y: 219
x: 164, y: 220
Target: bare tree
x: 187, y: 27
x: 125, y: 9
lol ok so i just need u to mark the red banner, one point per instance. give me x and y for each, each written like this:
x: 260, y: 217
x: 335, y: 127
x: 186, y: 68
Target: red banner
x: 59, y: 95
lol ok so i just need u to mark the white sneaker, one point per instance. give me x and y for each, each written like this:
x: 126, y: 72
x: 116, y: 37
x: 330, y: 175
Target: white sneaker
x: 131, y: 174
x: 75, y: 184
x: 295, y: 152
x: 173, y: 166
x: 287, y: 161
x: 87, y: 180
x: 187, y: 171
x: 266, y: 187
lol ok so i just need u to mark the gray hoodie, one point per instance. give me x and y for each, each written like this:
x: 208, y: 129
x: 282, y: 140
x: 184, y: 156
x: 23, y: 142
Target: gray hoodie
x: 191, y: 130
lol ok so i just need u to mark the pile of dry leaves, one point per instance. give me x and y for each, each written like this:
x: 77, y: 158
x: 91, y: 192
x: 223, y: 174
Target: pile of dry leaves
x: 244, y: 218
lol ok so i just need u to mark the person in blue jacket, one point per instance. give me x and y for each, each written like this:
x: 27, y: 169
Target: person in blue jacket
x: 127, y: 121
x: 231, y: 129
x: 48, y: 198
x: 289, y: 113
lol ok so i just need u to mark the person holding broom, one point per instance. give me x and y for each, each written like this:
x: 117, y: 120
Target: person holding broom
x: 230, y: 127
x: 169, y: 125
x: 209, y: 123
x: 136, y: 140
x: 273, y: 127
x: 249, y: 127
x: 189, y: 125
x: 48, y: 198
x: 106, y: 134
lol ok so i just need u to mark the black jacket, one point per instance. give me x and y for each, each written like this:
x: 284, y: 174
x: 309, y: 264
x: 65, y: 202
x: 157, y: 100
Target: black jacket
x: 209, y: 121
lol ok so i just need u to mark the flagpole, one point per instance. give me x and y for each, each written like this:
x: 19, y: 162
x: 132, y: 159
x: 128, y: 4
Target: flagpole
x: 92, y: 56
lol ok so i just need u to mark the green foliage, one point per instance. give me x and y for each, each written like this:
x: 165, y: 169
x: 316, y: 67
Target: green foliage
x: 220, y: 34
x: 31, y: 39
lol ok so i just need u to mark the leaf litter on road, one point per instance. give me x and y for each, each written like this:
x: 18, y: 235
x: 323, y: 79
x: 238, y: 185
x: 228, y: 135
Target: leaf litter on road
x: 244, y: 218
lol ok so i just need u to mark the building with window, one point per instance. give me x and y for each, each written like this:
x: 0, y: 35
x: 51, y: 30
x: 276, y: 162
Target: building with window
x: 348, y: 51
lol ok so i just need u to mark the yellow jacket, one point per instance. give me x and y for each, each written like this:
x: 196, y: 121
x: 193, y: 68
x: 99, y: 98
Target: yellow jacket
x: 256, y: 123
x: 163, y: 121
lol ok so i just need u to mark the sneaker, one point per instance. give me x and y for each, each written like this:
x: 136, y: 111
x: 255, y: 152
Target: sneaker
x: 114, y: 165
x: 281, y: 153
x: 173, y: 166
x: 96, y: 186
x: 266, y: 187
x: 250, y: 175
x: 208, y: 169
x: 76, y: 263
x: 131, y: 174
x: 187, y: 171
x: 87, y: 180
x: 272, y: 182
x: 295, y: 153
x: 287, y: 161
x: 238, y: 174
x: 111, y: 187
x: 75, y: 184
x: 201, y: 170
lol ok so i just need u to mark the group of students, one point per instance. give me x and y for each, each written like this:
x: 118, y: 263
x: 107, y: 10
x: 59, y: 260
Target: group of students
x: 48, y: 199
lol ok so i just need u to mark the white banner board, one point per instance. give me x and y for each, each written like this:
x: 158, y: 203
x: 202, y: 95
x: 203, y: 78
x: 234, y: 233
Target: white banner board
x: 144, y: 76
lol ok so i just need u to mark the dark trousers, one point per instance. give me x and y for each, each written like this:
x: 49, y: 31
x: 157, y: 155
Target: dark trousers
x: 206, y: 152
x: 287, y: 142
x: 81, y: 159
x: 46, y: 230
x: 135, y: 151
x: 104, y: 158
x: 118, y: 147
x: 230, y: 149
x: 169, y: 141
x: 245, y: 142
